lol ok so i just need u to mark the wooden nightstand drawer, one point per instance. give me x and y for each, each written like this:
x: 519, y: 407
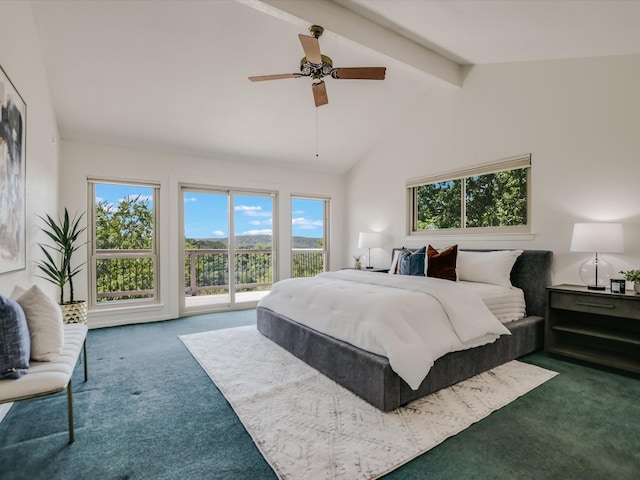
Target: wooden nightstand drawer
x: 600, y: 305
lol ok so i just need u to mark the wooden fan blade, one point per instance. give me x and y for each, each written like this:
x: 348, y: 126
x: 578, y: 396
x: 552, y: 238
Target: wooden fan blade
x: 311, y: 48
x: 320, y: 94
x: 359, y: 73
x: 262, y: 78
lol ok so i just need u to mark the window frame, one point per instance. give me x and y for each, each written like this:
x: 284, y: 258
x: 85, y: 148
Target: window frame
x: 512, y: 163
x: 94, y: 255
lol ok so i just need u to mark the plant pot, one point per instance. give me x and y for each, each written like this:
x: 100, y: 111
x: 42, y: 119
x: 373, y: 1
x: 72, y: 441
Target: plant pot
x: 75, y: 312
x: 636, y: 287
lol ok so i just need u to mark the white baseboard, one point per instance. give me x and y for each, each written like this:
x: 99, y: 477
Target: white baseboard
x: 4, y: 409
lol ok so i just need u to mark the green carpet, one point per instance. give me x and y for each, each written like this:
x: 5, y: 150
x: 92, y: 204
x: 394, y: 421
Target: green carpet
x: 149, y: 411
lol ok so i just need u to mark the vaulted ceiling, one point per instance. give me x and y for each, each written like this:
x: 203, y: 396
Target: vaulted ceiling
x: 173, y: 75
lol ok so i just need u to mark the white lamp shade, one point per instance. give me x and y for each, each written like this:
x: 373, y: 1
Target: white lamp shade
x: 369, y: 240
x: 597, y: 238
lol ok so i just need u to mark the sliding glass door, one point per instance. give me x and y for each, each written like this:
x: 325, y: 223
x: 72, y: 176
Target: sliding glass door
x: 228, y: 246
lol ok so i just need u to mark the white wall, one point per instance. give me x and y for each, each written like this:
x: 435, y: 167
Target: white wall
x: 580, y: 120
x: 82, y: 160
x: 21, y: 59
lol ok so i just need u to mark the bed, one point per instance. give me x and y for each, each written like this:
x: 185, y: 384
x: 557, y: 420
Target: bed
x: 370, y: 376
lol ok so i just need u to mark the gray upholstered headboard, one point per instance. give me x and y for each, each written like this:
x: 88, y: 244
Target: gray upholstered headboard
x: 531, y: 273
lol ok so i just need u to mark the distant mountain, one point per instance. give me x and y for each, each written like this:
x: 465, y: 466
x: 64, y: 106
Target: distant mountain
x: 253, y: 241
x: 307, y: 242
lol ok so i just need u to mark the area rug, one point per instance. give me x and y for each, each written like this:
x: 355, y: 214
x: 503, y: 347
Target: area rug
x: 307, y: 426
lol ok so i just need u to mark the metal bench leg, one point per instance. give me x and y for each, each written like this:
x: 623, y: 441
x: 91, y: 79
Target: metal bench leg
x: 70, y: 404
x: 84, y: 348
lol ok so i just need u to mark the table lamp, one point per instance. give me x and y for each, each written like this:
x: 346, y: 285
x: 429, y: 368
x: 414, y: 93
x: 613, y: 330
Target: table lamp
x: 596, y: 238
x: 369, y: 240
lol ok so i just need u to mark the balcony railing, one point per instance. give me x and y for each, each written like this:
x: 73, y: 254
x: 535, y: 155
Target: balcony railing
x: 206, y: 272
x: 307, y: 262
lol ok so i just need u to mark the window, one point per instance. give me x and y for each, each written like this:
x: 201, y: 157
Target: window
x: 309, y: 236
x: 229, y: 247
x: 124, y: 255
x: 486, y: 199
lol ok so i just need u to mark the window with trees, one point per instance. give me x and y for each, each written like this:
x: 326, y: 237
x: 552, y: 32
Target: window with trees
x: 309, y: 236
x: 490, y: 198
x: 124, y: 258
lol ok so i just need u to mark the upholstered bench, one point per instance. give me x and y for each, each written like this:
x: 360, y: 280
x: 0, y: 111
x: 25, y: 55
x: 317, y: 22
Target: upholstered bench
x: 47, y: 378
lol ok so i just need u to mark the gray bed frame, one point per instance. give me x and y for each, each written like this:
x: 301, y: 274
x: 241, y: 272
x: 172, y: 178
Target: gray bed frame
x: 370, y: 376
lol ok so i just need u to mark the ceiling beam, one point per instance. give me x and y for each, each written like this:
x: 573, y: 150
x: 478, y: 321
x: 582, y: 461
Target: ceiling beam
x: 347, y: 24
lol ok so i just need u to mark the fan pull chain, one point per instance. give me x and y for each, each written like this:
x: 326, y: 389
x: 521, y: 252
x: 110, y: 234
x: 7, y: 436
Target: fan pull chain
x: 317, y: 131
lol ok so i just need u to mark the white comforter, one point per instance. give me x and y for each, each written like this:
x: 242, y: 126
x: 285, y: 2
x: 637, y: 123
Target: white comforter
x: 412, y: 321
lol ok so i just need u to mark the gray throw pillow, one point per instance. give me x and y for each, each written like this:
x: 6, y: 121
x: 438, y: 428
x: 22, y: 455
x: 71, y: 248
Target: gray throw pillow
x: 15, y: 342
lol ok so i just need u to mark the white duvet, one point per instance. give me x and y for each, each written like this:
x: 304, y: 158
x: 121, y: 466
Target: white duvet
x: 412, y: 321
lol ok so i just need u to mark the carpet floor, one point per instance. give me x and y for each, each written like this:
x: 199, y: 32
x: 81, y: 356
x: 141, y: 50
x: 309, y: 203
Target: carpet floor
x: 309, y: 427
x: 149, y: 411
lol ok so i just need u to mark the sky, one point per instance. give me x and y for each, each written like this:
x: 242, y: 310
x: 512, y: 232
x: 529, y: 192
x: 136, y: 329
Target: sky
x: 206, y: 213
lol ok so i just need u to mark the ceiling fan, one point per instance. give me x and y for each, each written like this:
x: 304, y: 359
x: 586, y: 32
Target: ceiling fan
x: 318, y: 66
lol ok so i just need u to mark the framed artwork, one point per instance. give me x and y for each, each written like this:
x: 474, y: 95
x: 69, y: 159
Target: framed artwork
x: 13, y: 135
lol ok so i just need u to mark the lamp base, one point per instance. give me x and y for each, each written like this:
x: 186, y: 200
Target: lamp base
x: 596, y: 273
x: 369, y: 268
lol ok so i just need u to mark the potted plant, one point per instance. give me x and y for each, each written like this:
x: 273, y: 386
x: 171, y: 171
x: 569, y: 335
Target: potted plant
x: 57, y: 263
x: 633, y: 276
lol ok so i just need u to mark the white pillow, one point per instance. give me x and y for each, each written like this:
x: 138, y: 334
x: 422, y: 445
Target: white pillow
x: 393, y: 269
x: 487, y: 267
x: 44, y: 319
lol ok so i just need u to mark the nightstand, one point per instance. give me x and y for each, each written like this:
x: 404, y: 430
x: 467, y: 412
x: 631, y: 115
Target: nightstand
x: 594, y: 326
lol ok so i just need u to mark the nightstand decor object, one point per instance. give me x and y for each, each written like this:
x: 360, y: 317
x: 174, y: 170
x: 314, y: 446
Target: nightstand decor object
x: 596, y: 238
x: 618, y: 285
x: 369, y: 240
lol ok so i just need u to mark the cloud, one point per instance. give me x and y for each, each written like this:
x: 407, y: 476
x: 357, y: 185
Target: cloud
x: 191, y: 199
x: 252, y: 211
x: 218, y: 233
x: 306, y: 224
x: 265, y: 231
x: 268, y: 221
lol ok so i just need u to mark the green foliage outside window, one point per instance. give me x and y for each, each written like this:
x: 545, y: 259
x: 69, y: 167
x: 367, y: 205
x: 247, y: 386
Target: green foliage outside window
x: 497, y: 199
x: 126, y: 226
x: 490, y: 200
x: 439, y: 205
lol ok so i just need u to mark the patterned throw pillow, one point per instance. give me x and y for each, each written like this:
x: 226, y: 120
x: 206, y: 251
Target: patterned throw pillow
x: 442, y: 264
x: 15, y: 344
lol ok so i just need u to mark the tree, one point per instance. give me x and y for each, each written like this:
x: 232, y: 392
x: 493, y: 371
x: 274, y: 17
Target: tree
x: 497, y: 199
x: 126, y: 226
x: 439, y: 205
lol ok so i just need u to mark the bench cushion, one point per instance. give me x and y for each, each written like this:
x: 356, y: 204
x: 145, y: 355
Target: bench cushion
x: 44, y: 378
x: 15, y: 344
